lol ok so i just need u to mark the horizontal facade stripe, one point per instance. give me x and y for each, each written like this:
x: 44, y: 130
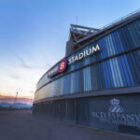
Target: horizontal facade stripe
x: 97, y: 93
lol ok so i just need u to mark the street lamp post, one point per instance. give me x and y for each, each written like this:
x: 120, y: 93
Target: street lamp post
x: 15, y: 98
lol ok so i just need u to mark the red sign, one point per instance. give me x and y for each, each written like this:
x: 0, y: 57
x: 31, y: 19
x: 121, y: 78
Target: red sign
x: 62, y: 65
x: 59, y: 68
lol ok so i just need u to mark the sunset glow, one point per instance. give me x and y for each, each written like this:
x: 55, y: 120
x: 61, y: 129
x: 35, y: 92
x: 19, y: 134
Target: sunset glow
x: 33, y: 38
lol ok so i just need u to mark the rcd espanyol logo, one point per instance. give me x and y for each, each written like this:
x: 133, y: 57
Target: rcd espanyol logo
x: 62, y: 65
x: 115, y: 106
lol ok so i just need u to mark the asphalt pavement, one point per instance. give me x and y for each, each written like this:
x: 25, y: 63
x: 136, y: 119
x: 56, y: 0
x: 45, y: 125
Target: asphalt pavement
x: 22, y: 125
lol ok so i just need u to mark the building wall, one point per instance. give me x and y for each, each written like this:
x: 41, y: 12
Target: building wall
x: 113, y: 113
x: 117, y: 65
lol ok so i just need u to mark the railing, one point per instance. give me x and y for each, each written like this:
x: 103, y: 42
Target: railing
x: 117, y: 21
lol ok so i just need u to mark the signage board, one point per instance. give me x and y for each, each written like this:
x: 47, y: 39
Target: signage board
x: 85, y: 53
x: 115, y: 113
x: 62, y: 65
x: 59, y: 68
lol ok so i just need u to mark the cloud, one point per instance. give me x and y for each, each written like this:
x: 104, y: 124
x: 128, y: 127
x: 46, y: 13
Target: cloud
x: 34, y: 64
x: 23, y: 63
x: 15, y: 76
x: 27, y: 66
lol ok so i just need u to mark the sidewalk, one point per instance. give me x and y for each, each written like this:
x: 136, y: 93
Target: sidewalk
x: 21, y: 125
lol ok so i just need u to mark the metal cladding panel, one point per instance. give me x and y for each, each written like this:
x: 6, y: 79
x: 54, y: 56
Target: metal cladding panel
x: 121, y: 71
x: 111, y: 112
x: 118, y: 113
x: 115, y: 65
x: 119, y: 41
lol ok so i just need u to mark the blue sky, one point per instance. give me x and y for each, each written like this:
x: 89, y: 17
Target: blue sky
x: 33, y: 34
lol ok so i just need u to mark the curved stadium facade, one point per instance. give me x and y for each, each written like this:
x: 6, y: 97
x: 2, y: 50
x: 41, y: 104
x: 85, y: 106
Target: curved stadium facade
x: 97, y: 84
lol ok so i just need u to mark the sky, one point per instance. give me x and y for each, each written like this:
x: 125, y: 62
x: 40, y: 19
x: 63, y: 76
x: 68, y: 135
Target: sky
x: 33, y: 35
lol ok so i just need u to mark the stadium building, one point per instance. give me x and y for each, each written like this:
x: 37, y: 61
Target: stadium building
x: 97, y: 83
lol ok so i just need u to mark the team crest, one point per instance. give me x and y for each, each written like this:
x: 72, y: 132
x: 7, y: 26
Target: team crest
x: 62, y: 65
x: 115, y: 106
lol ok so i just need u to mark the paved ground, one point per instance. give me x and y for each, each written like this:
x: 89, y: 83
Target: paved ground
x: 21, y: 125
